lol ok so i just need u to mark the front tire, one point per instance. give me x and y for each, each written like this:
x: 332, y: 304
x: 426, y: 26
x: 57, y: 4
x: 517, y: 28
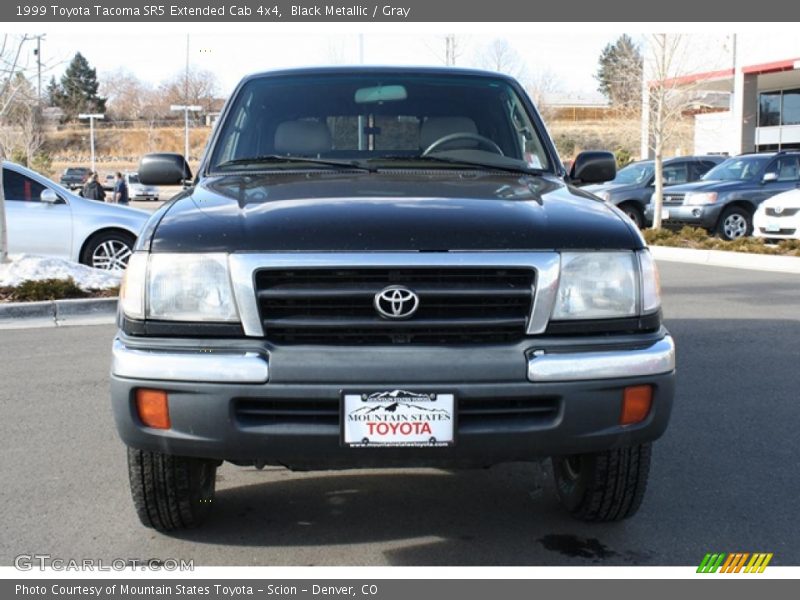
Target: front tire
x: 603, y: 486
x: 634, y: 213
x: 108, y: 251
x: 735, y: 223
x: 170, y: 492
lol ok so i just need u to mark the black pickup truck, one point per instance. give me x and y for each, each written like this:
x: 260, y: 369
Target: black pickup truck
x: 379, y: 267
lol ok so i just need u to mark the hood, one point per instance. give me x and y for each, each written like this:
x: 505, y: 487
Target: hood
x: 611, y: 187
x: 704, y: 186
x: 790, y: 199
x: 412, y: 211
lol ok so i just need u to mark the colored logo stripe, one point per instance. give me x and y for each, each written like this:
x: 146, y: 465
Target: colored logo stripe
x: 734, y: 562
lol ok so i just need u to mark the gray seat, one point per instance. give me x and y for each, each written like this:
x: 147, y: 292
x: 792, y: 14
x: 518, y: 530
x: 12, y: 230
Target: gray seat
x: 302, y: 137
x: 435, y: 128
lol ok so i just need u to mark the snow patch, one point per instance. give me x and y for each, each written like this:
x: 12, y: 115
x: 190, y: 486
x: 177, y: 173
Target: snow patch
x: 29, y: 266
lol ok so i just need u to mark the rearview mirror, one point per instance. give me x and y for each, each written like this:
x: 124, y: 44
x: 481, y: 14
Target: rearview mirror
x: 594, y: 166
x: 769, y: 177
x: 381, y: 93
x: 164, y: 168
x: 48, y: 196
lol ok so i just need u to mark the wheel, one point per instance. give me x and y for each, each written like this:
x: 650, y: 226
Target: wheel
x: 604, y: 486
x: 734, y: 223
x: 463, y: 136
x: 170, y: 492
x: 109, y: 251
x: 634, y: 213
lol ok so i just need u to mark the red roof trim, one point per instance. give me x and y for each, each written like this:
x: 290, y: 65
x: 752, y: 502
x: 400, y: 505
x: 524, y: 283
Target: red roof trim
x: 696, y: 77
x: 771, y: 67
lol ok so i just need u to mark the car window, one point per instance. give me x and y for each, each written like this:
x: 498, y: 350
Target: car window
x: 21, y: 188
x: 786, y: 168
x: 634, y: 173
x: 378, y: 117
x: 675, y: 173
x: 700, y: 168
x: 738, y: 168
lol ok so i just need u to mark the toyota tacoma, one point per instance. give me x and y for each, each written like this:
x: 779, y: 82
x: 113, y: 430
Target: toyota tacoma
x: 387, y: 267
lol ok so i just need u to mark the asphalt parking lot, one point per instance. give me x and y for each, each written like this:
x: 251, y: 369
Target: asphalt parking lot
x: 724, y: 478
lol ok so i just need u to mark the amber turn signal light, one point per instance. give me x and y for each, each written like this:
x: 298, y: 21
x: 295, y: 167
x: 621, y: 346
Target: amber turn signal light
x: 636, y: 402
x: 153, y: 408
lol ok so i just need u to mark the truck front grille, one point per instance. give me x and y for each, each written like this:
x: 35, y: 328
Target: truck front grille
x: 336, y: 306
x: 473, y: 413
x: 673, y: 199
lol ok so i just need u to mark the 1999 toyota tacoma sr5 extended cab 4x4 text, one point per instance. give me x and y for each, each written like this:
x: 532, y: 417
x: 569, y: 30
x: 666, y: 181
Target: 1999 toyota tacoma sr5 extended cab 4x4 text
x: 378, y: 267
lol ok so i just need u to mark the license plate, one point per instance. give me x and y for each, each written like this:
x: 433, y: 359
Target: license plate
x: 395, y: 418
x: 664, y: 214
x: 772, y: 227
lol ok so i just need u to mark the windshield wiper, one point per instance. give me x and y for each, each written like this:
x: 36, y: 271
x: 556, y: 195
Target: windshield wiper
x: 465, y: 162
x: 288, y: 158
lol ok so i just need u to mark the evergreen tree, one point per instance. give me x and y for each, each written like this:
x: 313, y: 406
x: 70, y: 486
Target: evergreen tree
x: 53, y: 93
x: 619, y: 75
x: 78, y: 89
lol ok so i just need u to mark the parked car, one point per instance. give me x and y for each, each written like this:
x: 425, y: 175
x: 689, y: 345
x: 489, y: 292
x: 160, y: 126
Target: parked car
x: 778, y: 218
x: 45, y: 218
x: 634, y: 184
x: 380, y: 267
x: 139, y: 191
x: 725, y: 199
x: 136, y: 189
x: 73, y: 178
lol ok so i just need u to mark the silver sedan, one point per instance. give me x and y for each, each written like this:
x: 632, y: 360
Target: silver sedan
x: 45, y: 218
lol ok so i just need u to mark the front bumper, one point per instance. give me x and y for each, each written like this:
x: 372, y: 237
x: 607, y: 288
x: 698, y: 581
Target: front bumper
x: 705, y: 215
x: 779, y: 228
x: 515, y: 402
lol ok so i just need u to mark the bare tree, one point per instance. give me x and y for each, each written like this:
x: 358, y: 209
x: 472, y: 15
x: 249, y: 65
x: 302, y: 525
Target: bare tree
x: 671, y: 91
x: 448, y: 49
x: 198, y: 86
x: 126, y: 95
x: 501, y: 56
x: 540, y: 86
x: 10, y: 53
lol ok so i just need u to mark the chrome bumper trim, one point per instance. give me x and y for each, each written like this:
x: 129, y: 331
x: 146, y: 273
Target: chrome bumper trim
x: 206, y: 367
x: 579, y: 366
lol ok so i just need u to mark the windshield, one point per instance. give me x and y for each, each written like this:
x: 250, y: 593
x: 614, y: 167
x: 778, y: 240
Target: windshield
x: 737, y: 168
x: 375, y: 119
x: 133, y: 178
x: 634, y: 173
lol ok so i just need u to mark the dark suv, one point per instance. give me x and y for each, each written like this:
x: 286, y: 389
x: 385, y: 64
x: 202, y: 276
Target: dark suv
x: 384, y: 267
x: 725, y: 199
x: 634, y: 184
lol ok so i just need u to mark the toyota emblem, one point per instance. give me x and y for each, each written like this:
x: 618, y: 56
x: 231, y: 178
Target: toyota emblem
x: 396, y: 302
x: 778, y: 210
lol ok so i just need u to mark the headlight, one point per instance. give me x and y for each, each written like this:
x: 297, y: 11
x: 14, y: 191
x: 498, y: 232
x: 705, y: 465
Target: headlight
x: 131, y: 292
x: 179, y: 287
x: 699, y: 198
x: 607, y: 285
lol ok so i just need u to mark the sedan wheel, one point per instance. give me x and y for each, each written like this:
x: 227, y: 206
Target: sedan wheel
x: 109, y: 251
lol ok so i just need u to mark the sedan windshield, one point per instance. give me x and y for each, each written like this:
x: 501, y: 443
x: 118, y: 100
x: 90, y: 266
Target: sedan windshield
x: 374, y: 120
x: 737, y: 168
x: 639, y: 172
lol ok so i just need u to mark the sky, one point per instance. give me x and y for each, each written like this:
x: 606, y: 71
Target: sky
x: 571, y: 59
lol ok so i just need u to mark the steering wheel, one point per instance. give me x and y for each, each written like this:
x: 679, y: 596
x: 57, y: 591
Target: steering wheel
x: 463, y: 136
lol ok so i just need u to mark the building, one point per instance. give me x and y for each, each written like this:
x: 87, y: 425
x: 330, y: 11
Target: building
x: 763, y: 89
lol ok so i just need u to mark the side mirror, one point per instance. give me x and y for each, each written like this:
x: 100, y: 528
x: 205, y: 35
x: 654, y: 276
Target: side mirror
x: 48, y: 196
x: 595, y: 166
x: 769, y: 177
x: 164, y: 168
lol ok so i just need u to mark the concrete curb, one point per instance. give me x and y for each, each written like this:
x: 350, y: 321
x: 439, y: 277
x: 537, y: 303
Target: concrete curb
x: 58, y: 313
x: 722, y: 258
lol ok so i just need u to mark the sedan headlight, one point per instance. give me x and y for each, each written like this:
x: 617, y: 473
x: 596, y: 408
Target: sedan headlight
x: 606, y: 285
x: 179, y: 287
x: 699, y: 198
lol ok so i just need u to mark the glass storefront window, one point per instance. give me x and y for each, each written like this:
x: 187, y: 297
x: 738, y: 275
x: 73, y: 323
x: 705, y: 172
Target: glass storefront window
x: 791, y: 107
x: 769, y: 109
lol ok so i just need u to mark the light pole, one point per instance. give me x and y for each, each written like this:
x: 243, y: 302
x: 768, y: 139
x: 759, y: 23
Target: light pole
x: 91, y: 118
x: 38, y: 53
x: 186, y: 108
